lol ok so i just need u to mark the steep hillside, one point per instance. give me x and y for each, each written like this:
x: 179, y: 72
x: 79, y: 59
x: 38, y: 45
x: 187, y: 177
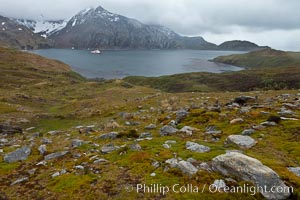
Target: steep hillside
x: 14, y: 35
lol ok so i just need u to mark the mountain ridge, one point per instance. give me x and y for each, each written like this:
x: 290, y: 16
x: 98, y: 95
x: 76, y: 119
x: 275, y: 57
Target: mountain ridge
x: 97, y: 28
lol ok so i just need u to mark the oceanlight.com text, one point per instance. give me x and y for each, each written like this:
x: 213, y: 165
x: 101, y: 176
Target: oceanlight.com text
x: 212, y: 188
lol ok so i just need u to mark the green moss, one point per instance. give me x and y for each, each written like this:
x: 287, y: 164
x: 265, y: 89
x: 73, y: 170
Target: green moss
x: 6, y: 108
x: 69, y: 183
x: 7, y: 168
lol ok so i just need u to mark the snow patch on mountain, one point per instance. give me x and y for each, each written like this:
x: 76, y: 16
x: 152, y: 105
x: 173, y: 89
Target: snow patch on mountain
x: 43, y: 27
x: 89, y: 13
x: 74, y: 22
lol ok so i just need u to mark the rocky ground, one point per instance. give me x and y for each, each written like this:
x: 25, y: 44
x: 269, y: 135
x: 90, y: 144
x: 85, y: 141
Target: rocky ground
x: 196, y: 138
x: 62, y: 137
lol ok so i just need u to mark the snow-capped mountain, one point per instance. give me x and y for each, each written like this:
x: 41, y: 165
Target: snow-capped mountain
x: 43, y: 27
x: 15, y: 35
x: 99, y: 28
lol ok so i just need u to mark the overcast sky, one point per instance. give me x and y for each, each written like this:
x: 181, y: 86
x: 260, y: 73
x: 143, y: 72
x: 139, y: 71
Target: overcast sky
x: 275, y: 23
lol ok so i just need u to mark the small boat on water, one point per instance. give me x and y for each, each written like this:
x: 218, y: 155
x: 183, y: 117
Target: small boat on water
x: 97, y: 51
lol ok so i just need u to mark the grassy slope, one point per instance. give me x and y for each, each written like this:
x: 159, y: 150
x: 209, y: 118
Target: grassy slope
x: 247, y: 80
x: 267, y: 69
x: 53, y: 98
x: 265, y: 58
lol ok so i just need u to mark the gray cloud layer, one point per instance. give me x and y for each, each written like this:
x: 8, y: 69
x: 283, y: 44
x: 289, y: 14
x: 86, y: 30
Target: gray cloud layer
x: 269, y: 22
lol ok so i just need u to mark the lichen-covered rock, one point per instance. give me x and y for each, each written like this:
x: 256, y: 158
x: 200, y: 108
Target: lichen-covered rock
x: 192, y: 146
x: 187, y: 167
x: 180, y: 115
x: 20, y: 180
x: 56, y: 155
x: 245, y: 168
x: 42, y: 149
x: 212, y: 130
x: 145, y: 135
x: 188, y: 130
x: 150, y: 126
x: 242, y: 141
x: 109, y: 148
x: 295, y: 170
x: 236, y: 121
x: 111, y: 135
x: 77, y: 143
x: 168, y: 130
x: 18, y: 155
x: 248, y: 131
x: 172, y: 162
x: 135, y: 147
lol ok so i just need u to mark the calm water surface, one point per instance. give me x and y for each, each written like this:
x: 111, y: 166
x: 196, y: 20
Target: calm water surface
x: 122, y: 63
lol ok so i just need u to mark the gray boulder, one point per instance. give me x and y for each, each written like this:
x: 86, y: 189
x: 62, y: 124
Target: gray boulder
x: 46, y: 141
x: 18, y: 155
x: 150, y: 126
x: 219, y: 184
x: 180, y: 115
x: 192, y: 146
x: 168, y: 130
x: 21, y: 180
x: 248, y: 131
x: 291, y: 106
x: 170, y: 142
x: 108, y: 148
x: 188, y: 130
x: 242, y: 141
x: 212, y: 130
x: 173, y: 162
x: 295, y: 170
x: 111, y: 135
x: 135, y: 147
x: 42, y: 149
x: 214, y: 109
x: 56, y: 155
x: 268, y: 123
x: 100, y: 160
x: 145, y: 135
x: 245, y: 168
x: 187, y: 167
x: 77, y: 143
x: 244, y: 110
x: 237, y: 121
x: 3, y: 140
x: 286, y: 113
